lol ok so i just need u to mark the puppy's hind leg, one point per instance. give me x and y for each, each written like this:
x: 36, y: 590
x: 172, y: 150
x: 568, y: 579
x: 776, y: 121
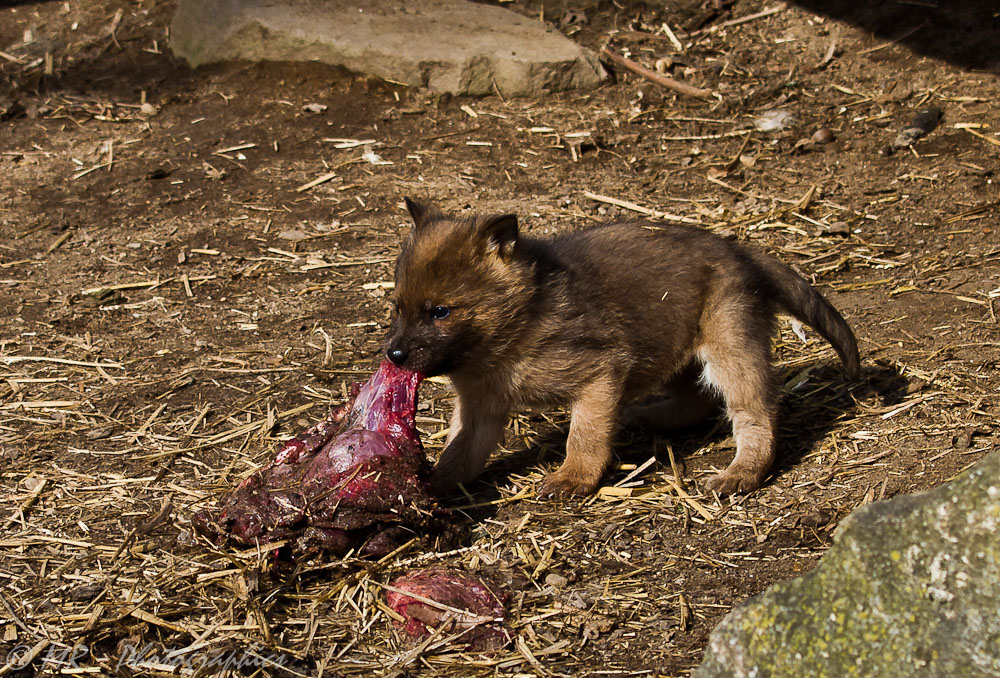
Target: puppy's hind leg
x: 736, y: 355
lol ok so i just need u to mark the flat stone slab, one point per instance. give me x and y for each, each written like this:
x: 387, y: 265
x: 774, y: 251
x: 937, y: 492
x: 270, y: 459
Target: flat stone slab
x: 444, y: 45
x: 911, y: 587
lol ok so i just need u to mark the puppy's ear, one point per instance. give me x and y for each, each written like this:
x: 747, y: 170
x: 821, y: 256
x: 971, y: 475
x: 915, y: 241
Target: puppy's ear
x: 500, y: 233
x: 421, y: 212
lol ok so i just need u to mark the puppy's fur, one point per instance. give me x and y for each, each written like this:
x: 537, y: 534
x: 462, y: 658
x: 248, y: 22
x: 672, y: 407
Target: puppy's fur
x: 595, y: 319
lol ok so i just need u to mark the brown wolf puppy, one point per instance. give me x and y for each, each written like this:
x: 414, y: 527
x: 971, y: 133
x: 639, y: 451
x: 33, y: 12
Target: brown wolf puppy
x: 594, y: 319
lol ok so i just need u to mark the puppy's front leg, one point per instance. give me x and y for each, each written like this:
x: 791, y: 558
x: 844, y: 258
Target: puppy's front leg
x: 588, y: 448
x: 475, y: 433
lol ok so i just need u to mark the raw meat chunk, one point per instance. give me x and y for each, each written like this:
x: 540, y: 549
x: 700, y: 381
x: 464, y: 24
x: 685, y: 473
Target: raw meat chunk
x: 434, y: 596
x: 358, y: 479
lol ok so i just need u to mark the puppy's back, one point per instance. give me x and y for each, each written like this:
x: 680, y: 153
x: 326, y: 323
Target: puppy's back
x: 646, y: 286
x: 658, y: 280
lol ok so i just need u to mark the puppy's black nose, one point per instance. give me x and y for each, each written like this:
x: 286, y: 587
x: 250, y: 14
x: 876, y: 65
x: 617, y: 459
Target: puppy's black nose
x: 397, y: 355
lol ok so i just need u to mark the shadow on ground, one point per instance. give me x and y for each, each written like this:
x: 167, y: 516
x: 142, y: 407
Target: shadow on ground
x: 963, y: 32
x: 806, y: 418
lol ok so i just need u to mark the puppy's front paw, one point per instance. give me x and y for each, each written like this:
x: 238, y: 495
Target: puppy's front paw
x: 561, y: 483
x: 733, y: 480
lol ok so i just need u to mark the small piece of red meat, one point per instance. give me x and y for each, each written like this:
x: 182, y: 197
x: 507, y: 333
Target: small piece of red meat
x: 358, y: 479
x: 428, y: 598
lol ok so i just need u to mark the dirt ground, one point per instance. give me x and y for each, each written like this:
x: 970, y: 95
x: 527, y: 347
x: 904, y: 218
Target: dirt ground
x: 175, y: 302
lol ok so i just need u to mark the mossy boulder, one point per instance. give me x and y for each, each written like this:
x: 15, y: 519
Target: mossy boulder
x: 911, y: 587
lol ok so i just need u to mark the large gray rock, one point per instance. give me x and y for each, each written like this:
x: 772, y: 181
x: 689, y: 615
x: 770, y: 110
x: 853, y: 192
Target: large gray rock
x: 446, y: 45
x: 911, y: 587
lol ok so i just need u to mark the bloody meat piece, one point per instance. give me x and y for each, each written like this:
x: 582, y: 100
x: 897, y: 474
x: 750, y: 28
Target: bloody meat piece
x: 464, y: 603
x: 356, y: 479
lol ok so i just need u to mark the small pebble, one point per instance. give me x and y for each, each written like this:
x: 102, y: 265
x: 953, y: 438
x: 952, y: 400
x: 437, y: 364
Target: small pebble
x: 927, y: 120
x: 293, y: 235
x: 923, y: 123
x: 556, y: 581
x: 817, y: 518
x: 148, y: 110
x: 823, y: 136
x: 836, y: 228
x: 963, y: 440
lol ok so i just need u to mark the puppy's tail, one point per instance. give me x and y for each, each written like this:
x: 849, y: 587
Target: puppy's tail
x: 798, y: 298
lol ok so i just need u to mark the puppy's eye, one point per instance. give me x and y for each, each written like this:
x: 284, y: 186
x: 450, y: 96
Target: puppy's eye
x: 440, y: 312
